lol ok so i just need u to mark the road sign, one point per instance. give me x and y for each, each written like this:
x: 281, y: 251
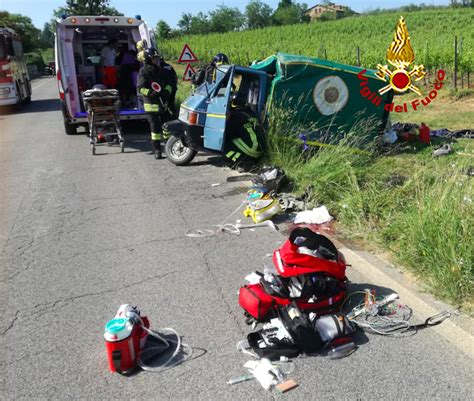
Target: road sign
x: 187, y: 55
x: 188, y: 73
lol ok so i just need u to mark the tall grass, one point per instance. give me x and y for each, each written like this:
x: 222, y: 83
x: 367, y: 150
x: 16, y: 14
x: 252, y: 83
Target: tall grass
x: 418, y: 207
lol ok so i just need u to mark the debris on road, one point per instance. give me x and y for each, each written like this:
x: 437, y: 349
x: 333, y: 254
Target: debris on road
x: 318, y: 215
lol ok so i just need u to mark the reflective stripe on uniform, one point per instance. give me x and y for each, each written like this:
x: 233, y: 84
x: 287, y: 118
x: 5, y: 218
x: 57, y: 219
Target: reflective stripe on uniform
x: 151, y: 107
x: 156, y: 136
x: 236, y: 157
x: 168, y: 88
x: 230, y: 154
x: 241, y: 145
x: 144, y: 91
x: 166, y: 134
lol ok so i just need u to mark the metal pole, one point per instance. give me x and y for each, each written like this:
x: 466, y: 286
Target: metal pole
x: 455, y: 78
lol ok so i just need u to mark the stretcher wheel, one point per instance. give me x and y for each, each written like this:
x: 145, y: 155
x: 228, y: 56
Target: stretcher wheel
x: 93, y: 149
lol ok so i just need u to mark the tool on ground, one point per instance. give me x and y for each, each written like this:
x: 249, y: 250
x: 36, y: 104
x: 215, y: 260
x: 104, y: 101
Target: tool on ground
x: 126, y: 338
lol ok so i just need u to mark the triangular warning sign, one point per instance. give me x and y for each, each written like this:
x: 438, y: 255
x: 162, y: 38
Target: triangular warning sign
x: 188, y: 73
x: 187, y: 55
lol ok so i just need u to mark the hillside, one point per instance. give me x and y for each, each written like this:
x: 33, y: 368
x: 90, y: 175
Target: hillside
x: 432, y: 35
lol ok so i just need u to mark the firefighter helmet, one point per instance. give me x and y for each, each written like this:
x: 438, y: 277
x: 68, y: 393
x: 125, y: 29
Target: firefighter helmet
x: 220, y: 59
x: 150, y: 54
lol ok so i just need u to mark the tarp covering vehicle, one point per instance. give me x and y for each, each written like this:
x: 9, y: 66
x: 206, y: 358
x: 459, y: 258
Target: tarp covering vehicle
x: 323, y: 92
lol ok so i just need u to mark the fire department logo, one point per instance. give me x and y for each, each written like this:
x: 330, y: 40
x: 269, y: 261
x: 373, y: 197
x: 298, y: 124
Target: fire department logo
x: 400, y: 55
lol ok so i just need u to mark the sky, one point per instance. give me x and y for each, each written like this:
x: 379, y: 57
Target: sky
x: 41, y: 11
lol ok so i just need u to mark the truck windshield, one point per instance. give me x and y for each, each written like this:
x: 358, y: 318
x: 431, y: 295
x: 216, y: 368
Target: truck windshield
x: 3, y: 48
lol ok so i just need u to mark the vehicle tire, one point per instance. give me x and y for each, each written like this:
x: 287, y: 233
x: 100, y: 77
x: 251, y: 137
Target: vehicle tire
x: 70, y: 129
x: 28, y: 88
x: 178, y: 153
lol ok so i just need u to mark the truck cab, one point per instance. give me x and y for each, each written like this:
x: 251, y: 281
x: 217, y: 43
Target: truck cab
x: 15, y: 84
x: 206, y: 117
x: 78, y: 44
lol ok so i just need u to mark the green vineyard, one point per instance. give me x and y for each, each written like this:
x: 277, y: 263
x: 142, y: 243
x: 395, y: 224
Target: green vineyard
x: 432, y: 35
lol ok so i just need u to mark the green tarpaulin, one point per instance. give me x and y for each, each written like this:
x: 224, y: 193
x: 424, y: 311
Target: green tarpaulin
x: 325, y: 93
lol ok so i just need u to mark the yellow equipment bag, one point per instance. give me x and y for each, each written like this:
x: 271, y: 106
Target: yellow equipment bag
x: 262, y: 209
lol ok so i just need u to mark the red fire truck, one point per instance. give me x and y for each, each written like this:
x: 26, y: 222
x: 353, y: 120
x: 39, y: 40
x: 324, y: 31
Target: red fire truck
x: 15, y: 84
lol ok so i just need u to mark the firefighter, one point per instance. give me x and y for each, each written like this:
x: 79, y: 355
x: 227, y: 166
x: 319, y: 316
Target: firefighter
x: 244, y: 131
x: 208, y: 72
x: 154, y: 85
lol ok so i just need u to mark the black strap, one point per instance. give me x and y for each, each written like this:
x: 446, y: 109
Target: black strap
x: 117, y: 359
x: 336, y: 322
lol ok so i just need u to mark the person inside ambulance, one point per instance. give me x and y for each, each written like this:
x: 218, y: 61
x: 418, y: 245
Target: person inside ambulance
x: 155, y: 87
x: 243, y: 129
x: 108, y: 55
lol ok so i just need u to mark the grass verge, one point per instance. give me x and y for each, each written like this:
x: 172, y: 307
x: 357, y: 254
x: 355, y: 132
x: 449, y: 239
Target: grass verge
x: 417, y: 207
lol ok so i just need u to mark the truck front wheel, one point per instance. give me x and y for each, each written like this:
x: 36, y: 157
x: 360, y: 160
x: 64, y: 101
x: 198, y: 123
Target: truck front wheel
x: 178, y: 153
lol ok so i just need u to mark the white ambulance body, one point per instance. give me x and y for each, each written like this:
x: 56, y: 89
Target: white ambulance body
x: 78, y: 44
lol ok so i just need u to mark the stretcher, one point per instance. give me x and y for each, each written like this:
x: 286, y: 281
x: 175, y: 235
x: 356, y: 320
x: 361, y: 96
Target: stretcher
x: 102, y: 108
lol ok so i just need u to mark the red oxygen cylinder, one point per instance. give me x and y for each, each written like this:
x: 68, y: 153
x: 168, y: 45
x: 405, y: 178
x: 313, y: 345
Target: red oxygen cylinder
x: 124, y: 338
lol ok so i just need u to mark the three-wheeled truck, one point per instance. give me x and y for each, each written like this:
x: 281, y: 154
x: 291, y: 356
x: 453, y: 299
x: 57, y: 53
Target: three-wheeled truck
x: 319, y: 92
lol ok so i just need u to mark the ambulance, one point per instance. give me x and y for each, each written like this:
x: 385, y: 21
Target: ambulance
x: 15, y: 84
x: 79, y: 41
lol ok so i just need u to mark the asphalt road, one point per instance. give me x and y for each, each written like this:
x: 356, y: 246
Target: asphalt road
x: 80, y: 235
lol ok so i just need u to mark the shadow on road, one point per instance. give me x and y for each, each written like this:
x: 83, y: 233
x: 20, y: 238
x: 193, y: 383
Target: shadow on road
x: 36, y: 106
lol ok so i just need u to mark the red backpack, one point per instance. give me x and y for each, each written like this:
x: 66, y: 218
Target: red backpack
x: 319, y: 264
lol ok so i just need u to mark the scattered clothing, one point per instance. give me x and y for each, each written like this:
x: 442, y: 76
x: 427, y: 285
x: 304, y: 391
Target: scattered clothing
x: 443, y: 150
x: 318, y: 215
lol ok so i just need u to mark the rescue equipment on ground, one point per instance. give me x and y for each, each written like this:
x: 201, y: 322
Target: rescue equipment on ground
x: 262, y: 209
x: 102, y: 107
x: 307, y: 269
x: 384, y: 315
x: 128, y: 338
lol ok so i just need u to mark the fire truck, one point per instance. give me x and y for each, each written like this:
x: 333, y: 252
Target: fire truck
x: 15, y: 84
x: 78, y: 44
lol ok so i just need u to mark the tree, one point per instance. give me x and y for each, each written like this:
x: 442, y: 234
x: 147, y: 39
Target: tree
x: 288, y: 13
x: 22, y: 25
x: 185, y: 22
x: 47, y: 36
x: 258, y: 14
x: 199, y: 24
x: 225, y: 19
x: 163, y: 30
x: 86, y: 7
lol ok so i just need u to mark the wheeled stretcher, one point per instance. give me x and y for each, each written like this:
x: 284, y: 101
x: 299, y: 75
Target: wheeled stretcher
x: 102, y: 107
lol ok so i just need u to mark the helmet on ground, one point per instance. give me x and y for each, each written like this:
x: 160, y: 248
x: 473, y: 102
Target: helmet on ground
x: 220, y: 58
x: 150, y: 54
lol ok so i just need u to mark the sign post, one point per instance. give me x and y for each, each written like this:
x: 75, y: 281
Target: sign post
x: 187, y: 56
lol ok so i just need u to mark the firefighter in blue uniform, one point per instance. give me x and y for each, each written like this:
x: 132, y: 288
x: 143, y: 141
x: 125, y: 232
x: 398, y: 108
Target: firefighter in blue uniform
x: 155, y: 87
